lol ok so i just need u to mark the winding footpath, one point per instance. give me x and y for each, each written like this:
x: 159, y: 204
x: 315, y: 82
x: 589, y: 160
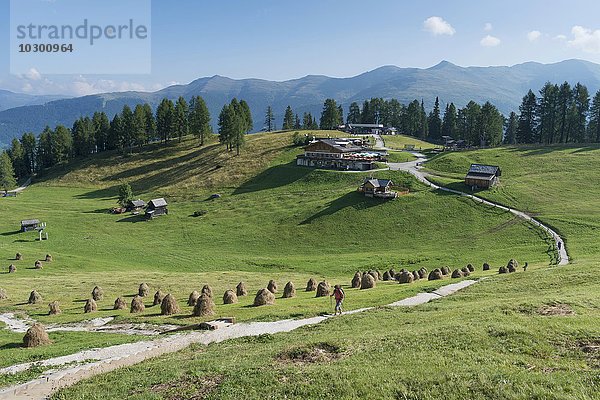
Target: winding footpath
x: 93, y: 362
x: 414, y: 168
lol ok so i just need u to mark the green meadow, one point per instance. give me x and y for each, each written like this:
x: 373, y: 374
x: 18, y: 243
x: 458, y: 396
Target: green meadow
x: 278, y: 221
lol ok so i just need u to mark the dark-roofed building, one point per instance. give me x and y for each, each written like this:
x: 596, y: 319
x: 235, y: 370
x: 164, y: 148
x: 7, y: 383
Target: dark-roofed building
x: 483, y: 176
x: 29, y: 225
x: 135, y: 205
x: 343, y: 154
x: 382, y: 188
x: 358, y: 129
x: 156, y: 207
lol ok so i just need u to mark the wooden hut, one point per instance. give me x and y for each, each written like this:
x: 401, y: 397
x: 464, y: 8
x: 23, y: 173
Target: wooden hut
x: 483, y: 176
x: 29, y: 225
x: 381, y: 188
x: 156, y: 207
x: 135, y: 205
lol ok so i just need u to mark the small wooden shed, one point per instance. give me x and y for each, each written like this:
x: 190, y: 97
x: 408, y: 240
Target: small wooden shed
x: 135, y: 205
x: 382, y: 188
x: 483, y: 176
x: 156, y: 207
x: 29, y: 225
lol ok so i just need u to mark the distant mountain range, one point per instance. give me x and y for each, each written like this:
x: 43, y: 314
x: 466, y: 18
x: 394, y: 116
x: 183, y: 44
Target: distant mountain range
x: 11, y: 100
x: 503, y: 86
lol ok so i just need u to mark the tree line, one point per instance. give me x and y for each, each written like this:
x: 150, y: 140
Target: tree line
x: 560, y: 114
x: 478, y: 125
x: 128, y: 130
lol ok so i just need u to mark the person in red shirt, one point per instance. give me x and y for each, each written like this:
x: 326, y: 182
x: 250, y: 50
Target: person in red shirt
x: 339, y: 295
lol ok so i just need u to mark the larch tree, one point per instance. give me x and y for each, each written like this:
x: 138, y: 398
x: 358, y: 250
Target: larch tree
x: 7, y: 173
x: 269, y: 119
x: 181, y: 127
x: 288, y: 119
x: 199, y: 119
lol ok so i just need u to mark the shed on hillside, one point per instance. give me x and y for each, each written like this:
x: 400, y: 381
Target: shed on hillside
x: 483, y: 176
x: 29, y: 225
x: 373, y: 187
x: 135, y: 205
x: 156, y: 207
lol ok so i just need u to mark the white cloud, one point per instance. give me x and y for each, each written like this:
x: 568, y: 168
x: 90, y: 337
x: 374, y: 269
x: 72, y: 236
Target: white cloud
x: 533, y: 35
x: 585, y: 39
x: 560, y: 37
x: 33, y: 74
x: 488, y: 27
x: 437, y: 26
x: 489, y: 41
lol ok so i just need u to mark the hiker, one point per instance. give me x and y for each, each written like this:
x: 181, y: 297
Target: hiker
x: 525, y: 267
x: 339, y: 295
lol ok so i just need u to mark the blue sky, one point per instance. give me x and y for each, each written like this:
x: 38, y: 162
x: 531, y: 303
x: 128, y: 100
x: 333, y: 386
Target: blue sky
x: 279, y: 40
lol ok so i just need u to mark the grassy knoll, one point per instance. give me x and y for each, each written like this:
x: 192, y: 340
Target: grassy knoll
x: 399, y: 141
x: 491, y: 341
x: 400, y: 156
x: 555, y: 184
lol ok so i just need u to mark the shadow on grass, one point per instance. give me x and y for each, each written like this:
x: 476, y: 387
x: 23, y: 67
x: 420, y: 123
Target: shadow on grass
x: 274, y: 177
x: 98, y: 211
x: 352, y: 199
x: 9, y: 346
x: 133, y: 219
x: 10, y: 233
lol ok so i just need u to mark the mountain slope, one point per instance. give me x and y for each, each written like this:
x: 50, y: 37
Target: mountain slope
x: 503, y: 86
x: 11, y: 100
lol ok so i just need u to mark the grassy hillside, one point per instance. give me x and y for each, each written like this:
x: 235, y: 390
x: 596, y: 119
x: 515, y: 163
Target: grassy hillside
x: 399, y: 141
x: 273, y: 221
x: 530, y: 335
x: 555, y: 184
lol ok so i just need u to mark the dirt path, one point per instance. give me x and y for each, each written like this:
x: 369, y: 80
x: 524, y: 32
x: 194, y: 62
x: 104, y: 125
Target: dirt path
x: 21, y: 188
x: 414, y: 168
x: 99, y: 361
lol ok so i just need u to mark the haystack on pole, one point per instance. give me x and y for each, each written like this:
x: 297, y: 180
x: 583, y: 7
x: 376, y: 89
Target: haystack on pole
x: 289, y: 290
x: 168, y: 305
x: 311, y: 285
x: 137, y: 305
x: 229, y: 297
x: 34, y: 297
x: 374, y: 274
x: 90, y: 306
x: 3, y: 295
x: 367, y: 281
x: 470, y: 267
x: 486, y: 266
x: 465, y: 271
x: 120, y: 304
x: 48, y: 258
x: 323, y: 289
x: 503, y: 270
x: 158, y: 298
x: 241, y: 289
x: 193, y: 298
x: 143, y: 290
x: 435, y: 275
x: 18, y: 256
x: 205, y: 306
x: 386, y: 276
x: 406, y: 277
x: 457, y: 273
x: 12, y: 268
x: 512, y: 265
x: 356, y: 281
x: 54, y: 308
x: 416, y: 275
x: 97, y: 293
x: 36, y: 336
x: 445, y: 270
x: 264, y: 297
x: 422, y: 272
x: 207, y: 290
x: 38, y: 265
x: 272, y: 286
